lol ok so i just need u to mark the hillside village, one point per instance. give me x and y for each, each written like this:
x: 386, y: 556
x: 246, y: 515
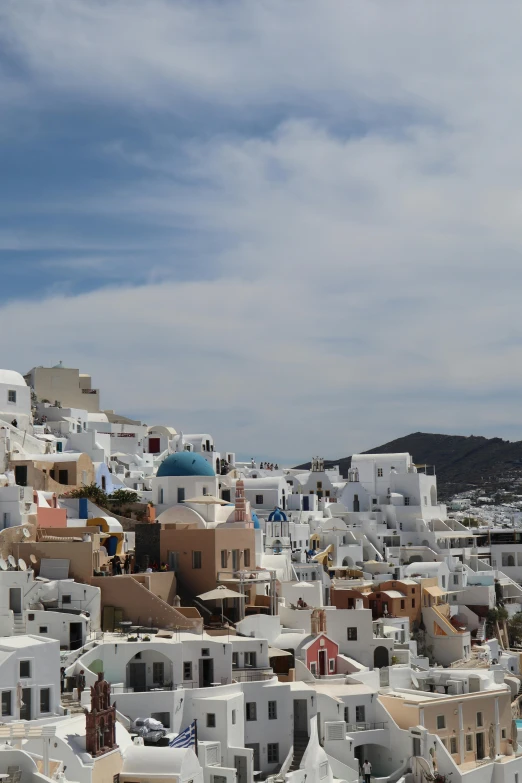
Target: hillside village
x: 171, y: 613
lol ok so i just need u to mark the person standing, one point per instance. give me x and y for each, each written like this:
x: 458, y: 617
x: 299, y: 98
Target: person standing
x: 80, y: 684
x: 126, y: 564
x: 62, y: 679
x: 367, y: 771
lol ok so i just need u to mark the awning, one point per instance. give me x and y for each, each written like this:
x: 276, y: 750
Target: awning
x: 435, y: 591
x: 274, y: 652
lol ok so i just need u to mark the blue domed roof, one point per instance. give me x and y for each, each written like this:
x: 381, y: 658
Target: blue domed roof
x: 277, y: 516
x: 185, y: 463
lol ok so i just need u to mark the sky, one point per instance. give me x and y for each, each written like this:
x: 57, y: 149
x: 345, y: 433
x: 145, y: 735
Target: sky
x: 294, y: 225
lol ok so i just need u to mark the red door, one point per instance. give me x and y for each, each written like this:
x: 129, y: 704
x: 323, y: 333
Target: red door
x: 154, y: 445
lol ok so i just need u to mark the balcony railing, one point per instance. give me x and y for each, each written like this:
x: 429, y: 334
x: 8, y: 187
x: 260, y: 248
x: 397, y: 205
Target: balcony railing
x: 363, y: 726
x: 252, y: 675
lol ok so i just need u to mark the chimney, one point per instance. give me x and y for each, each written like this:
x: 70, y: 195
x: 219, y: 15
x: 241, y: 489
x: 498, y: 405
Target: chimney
x: 315, y: 623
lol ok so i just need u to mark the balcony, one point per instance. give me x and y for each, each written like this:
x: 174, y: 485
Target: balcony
x: 252, y: 675
x: 363, y: 726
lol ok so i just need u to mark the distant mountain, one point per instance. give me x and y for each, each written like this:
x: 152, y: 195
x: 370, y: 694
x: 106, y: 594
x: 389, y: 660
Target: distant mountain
x: 460, y: 462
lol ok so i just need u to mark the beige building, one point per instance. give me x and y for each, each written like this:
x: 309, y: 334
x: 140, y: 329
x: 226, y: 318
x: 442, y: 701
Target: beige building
x: 64, y: 385
x: 203, y: 558
x: 466, y: 723
x: 58, y: 472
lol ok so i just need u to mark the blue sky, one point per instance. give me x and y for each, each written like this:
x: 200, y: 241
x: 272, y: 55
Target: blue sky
x: 294, y: 226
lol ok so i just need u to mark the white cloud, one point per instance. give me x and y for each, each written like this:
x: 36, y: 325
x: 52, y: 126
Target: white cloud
x: 358, y: 263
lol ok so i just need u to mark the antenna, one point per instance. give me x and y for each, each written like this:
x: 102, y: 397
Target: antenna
x: 22, y: 565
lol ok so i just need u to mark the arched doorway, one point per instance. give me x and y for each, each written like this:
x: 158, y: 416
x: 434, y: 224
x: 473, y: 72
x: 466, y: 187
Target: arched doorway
x: 380, y: 657
x: 347, y: 562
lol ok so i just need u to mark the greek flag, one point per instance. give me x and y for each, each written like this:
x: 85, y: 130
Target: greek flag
x: 186, y: 738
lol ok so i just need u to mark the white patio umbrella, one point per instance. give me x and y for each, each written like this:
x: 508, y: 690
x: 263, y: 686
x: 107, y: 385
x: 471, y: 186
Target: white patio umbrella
x: 208, y: 500
x: 219, y: 594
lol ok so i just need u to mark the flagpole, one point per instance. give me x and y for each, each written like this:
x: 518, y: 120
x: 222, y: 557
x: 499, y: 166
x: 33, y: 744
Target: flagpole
x: 196, y: 735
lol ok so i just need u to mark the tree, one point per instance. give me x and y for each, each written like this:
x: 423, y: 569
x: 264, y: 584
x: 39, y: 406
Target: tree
x: 515, y: 629
x: 124, y: 496
x: 92, y: 492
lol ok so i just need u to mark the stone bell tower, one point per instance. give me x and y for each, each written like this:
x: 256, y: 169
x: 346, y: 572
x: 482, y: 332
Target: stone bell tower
x: 101, y: 720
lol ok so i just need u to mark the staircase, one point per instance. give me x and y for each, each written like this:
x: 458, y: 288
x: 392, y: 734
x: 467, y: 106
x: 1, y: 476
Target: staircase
x: 481, y: 632
x: 19, y: 628
x: 71, y: 704
x: 300, y: 745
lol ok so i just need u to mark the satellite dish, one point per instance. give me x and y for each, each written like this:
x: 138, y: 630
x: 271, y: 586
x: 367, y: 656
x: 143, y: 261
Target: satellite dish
x: 22, y: 565
x: 33, y: 559
x: 3, y: 564
x: 415, y: 682
x: 11, y: 561
x: 26, y: 533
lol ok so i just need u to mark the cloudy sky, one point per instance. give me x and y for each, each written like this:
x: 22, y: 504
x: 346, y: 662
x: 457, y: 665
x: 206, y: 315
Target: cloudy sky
x: 295, y: 225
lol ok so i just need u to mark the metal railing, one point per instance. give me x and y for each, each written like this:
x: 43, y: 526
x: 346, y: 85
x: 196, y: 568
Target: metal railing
x: 251, y: 676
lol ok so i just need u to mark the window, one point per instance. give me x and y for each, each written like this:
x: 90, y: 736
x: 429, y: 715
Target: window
x: 251, y: 710
x: 259, y: 500
x: 30, y: 616
x: 205, y: 491
x: 374, y: 501
x: 66, y: 599
x: 233, y: 717
x: 205, y: 652
x: 406, y: 501
x: 181, y: 494
x: 313, y: 667
x: 43, y: 629
x: 6, y: 702
x: 331, y: 664
x: 413, y: 603
x: 187, y: 670
x: 11, y: 395
x: 352, y: 634
x: 441, y: 722
x: 158, y: 672
x: 346, y: 715
x: 235, y: 660
x: 7, y: 518
x: 479, y: 720
x: 319, y: 485
x: 25, y: 669
x: 63, y: 476
x: 250, y: 659
x: 235, y: 560
x: 379, y: 472
x: 272, y: 752
x: 507, y: 559
x: 503, y: 734
x: 453, y: 745
x: 196, y: 559
x: 211, y: 720
x: 360, y: 714
x: 246, y: 560
x: 59, y: 449
x: 224, y: 558
x: 160, y: 495
x: 272, y: 710
x: 455, y: 579
x: 45, y: 700
x: 403, y: 604
x: 469, y: 742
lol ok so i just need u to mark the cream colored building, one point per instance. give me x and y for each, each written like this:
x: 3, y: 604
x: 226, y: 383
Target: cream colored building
x: 65, y: 385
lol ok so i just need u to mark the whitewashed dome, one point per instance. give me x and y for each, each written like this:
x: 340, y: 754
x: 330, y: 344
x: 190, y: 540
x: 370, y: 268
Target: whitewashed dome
x: 12, y: 378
